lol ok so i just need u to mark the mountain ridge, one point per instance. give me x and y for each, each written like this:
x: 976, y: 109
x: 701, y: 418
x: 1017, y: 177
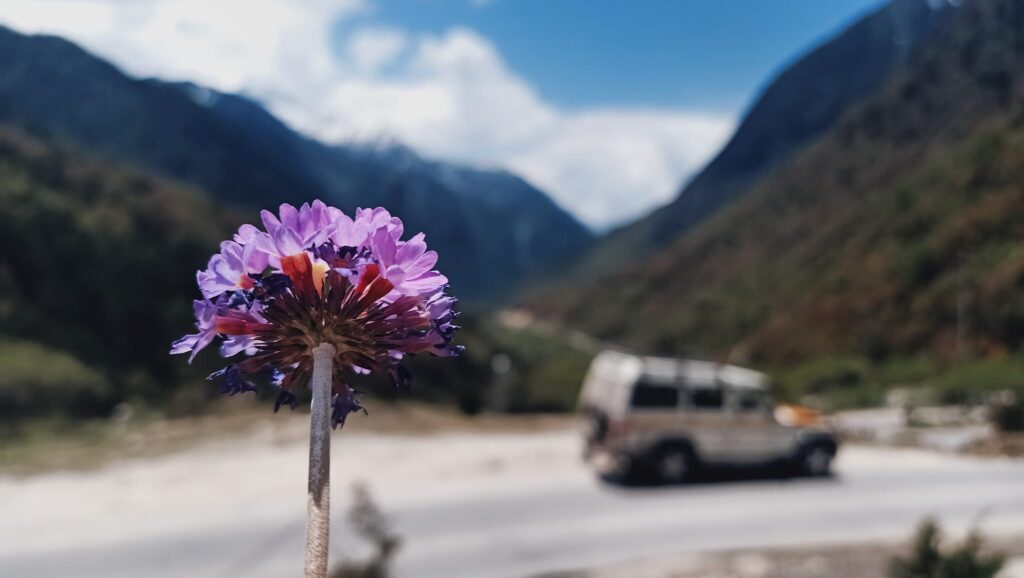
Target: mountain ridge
x: 802, y: 100
x: 895, y: 234
x: 234, y: 149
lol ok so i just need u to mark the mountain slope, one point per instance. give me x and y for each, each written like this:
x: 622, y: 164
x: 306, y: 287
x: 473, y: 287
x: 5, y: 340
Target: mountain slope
x: 899, y: 233
x: 234, y: 149
x: 796, y: 107
x: 96, y: 274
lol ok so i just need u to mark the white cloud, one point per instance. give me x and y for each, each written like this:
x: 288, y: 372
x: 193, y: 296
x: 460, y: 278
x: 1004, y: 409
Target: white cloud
x: 455, y: 98
x: 372, y: 49
x: 617, y: 164
x: 265, y: 47
x: 450, y: 96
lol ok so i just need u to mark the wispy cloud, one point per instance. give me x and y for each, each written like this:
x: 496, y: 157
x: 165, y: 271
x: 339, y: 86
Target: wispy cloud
x: 451, y: 96
x: 455, y: 98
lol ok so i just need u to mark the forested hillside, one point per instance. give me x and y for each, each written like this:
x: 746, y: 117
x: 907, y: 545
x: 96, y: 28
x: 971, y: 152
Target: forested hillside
x: 898, y: 235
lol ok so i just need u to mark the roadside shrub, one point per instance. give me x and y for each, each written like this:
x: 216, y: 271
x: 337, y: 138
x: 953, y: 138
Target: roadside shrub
x: 37, y: 381
x: 1006, y: 412
x: 928, y: 560
x: 826, y: 374
x: 373, y: 526
x: 834, y: 383
x: 905, y: 371
x: 1009, y: 418
x: 973, y: 382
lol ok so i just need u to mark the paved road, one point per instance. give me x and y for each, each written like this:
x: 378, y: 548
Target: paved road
x: 485, y: 505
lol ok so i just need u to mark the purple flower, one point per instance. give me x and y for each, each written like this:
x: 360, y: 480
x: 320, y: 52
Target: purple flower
x: 246, y: 234
x: 230, y: 269
x: 314, y: 275
x: 346, y: 233
x: 356, y: 233
x: 205, y: 313
x: 308, y: 225
x: 408, y: 266
x: 373, y: 219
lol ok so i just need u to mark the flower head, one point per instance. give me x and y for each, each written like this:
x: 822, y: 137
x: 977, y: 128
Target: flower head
x: 314, y: 275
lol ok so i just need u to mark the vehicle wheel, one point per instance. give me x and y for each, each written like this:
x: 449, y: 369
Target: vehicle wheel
x: 816, y: 461
x: 675, y: 465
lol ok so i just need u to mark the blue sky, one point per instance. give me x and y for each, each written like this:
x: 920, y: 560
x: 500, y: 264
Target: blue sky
x: 607, y: 105
x: 710, y: 54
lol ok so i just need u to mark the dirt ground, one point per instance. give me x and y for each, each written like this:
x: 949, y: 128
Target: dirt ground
x: 89, y: 445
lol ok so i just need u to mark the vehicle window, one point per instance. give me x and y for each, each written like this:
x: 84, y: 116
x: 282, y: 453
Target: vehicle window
x: 706, y: 397
x: 652, y: 395
x: 749, y: 400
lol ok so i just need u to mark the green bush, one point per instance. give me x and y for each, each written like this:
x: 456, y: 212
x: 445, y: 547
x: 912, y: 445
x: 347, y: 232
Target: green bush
x: 838, y: 383
x: 928, y: 560
x: 848, y: 382
x: 37, y: 381
x: 973, y: 382
x: 827, y: 374
x: 904, y: 371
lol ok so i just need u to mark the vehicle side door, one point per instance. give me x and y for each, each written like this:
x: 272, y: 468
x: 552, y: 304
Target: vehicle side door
x: 705, y: 421
x: 755, y: 435
x: 653, y: 410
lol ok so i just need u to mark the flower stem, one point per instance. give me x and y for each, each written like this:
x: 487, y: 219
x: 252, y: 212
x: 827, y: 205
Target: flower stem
x: 318, y: 518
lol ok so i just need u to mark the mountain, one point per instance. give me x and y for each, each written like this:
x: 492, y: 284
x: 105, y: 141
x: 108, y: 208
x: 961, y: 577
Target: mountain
x: 801, y: 103
x: 897, y: 234
x: 239, y: 153
x: 97, y: 273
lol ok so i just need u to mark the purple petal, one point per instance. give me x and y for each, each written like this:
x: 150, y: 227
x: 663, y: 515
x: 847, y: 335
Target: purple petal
x: 289, y: 216
x: 270, y: 221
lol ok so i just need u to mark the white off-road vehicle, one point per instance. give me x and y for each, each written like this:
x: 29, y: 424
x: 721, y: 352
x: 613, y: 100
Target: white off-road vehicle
x: 668, y: 417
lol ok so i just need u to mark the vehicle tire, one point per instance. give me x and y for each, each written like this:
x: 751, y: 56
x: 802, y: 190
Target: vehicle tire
x: 626, y: 473
x: 816, y: 461
x: 675, y: 464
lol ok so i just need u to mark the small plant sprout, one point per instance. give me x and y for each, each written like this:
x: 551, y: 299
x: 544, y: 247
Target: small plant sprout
x: 311, y: 299
x: 928, y: 559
